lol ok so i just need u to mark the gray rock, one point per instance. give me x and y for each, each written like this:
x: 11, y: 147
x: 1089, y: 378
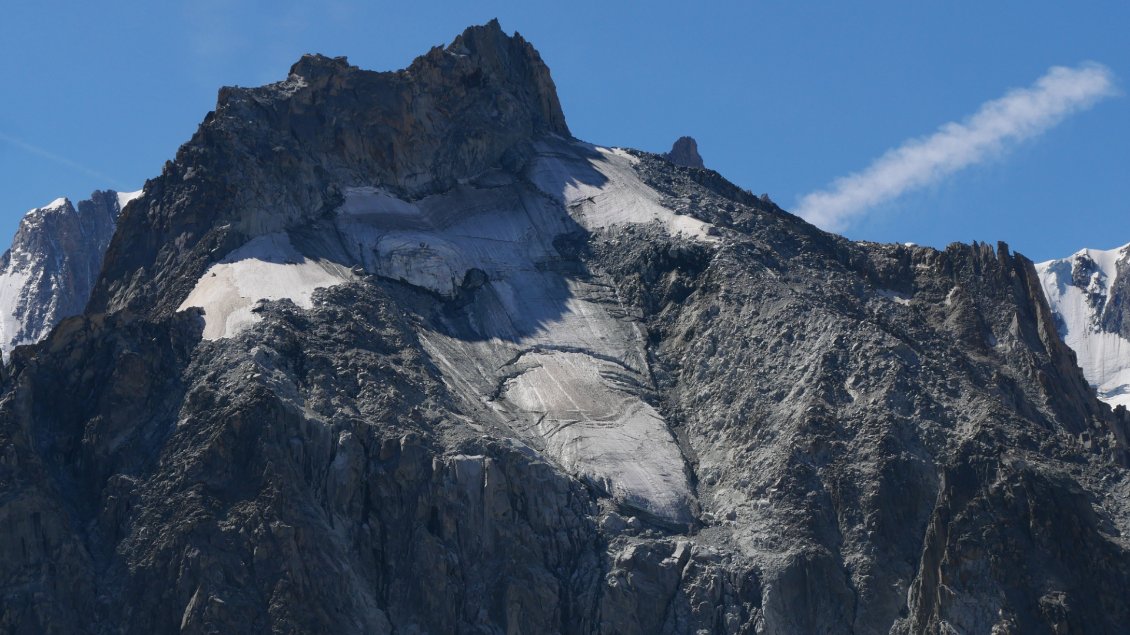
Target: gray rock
x: 276, y: 157
x: 868, y: 438
x: 52, y: 265
x: 685, y: 153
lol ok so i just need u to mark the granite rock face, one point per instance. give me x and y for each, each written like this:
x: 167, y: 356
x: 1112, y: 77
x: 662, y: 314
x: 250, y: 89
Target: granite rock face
x: 393, y: 353
x: 53, y: 263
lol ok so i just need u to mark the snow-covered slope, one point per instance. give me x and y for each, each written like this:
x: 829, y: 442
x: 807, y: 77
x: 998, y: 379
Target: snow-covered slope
x: 52, y: 265
x: 1090, y: 294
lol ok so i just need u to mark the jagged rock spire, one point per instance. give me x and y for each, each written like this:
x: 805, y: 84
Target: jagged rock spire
x: 455, y: 112
x: 685, y: 152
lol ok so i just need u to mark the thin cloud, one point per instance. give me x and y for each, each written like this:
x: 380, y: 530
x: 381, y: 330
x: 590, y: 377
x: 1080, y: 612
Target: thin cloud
x: 1021, y: 114
x: 51, y: 156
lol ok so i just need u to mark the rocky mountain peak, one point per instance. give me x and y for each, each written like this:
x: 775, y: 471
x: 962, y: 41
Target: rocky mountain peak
x: 515, y: 62
x: 294, y: 146
x: 314, y: 66
x: 391, y: 353
x: 55, y: 256
x: 31, y: 231
x: 503, y: 68
x: 685, y: 153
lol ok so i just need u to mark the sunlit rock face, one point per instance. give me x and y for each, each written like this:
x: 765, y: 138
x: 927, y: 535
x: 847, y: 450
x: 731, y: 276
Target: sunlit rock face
x: 394, y: 353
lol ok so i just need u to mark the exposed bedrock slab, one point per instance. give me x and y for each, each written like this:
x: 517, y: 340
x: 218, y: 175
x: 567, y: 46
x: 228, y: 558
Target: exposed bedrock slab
x: 590, y: 416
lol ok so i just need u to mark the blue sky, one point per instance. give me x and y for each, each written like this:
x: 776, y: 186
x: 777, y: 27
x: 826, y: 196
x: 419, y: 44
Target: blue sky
x: 783, y: 97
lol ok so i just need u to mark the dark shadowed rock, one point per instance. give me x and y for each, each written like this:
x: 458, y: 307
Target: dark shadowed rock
x: 685, y: 153
x: 276, y: 157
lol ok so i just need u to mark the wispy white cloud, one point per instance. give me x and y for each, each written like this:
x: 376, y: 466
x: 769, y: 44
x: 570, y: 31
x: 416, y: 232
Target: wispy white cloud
x: 1020, y: 114
x: 61, y: 160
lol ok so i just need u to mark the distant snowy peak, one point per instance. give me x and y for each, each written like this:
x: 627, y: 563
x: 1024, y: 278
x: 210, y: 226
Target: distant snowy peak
x: 1090, y: 295
x: 52, y: 265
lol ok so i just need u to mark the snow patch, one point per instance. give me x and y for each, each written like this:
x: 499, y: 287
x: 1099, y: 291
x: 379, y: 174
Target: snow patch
x: 125, y: 197
x: 266, y: 268
x: 950, y: 296
x: 601, y: 190
x: 12, y: 284
x: 896, y: 296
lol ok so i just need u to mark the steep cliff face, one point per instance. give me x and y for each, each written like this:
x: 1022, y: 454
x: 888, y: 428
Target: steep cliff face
x: 50, y: 270
x: 272, y: 158
x: 393, y: 353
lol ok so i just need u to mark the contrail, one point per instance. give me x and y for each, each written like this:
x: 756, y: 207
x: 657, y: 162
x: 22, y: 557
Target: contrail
x: 46, y: 154
x: 1019, y: 115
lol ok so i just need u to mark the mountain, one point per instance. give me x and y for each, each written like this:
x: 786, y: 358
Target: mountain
x: 50, y: 270
x: 1089, y: 293
x: 395, y: 353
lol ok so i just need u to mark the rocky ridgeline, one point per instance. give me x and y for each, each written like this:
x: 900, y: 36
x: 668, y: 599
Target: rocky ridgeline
x: 532, y: 385
x: 278, y: 156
